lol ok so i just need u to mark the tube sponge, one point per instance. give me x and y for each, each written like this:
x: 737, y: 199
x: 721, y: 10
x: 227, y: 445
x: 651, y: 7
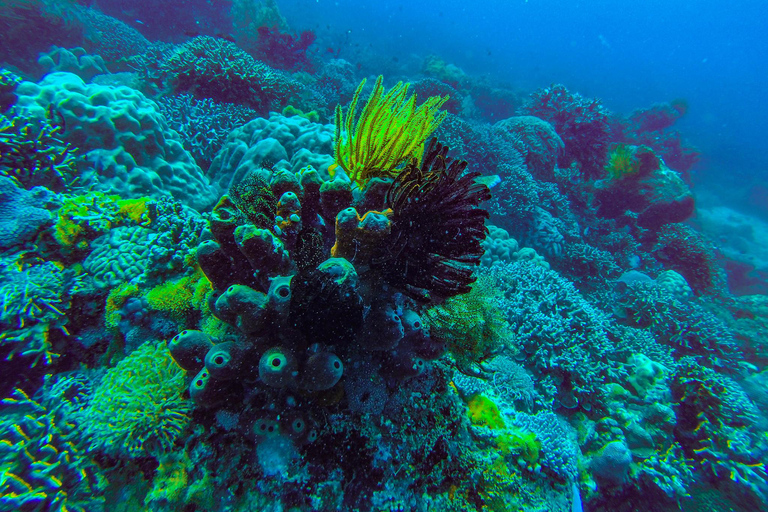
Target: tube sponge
x: 277, y: 368
x: 321, y: 371
x: 265, y: 252
x: 188, y: 349
x: 384, y: 327
x: 242, y: 307
x: 279, y: 296
x: 228, y: 361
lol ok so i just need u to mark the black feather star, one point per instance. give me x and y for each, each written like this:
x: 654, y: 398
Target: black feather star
x: 437, y: 227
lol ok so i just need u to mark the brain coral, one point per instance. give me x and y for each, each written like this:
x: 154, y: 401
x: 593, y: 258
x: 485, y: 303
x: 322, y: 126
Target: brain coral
x: 122, y: 135
x: 120, y: 255
x: 288, y: 142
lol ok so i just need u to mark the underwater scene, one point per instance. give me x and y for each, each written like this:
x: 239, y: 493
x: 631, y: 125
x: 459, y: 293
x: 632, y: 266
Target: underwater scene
x: 312, y: 255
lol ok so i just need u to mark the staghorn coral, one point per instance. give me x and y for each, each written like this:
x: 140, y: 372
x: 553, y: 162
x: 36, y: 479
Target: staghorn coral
x: 691, y: 254
x: 437, y: 227
x: 284, y: 50
x: 138, y: 409
x: 716, y: 427
x: 390, y: 132
x: 204, y: 124
x: 35, y: 156
x: 42, y: 466
x: 563, y: 337
x: 687, y: 326
x: 34, y: 298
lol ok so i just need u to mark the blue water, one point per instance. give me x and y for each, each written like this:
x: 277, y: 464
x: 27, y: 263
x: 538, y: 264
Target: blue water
x: 629, y: 54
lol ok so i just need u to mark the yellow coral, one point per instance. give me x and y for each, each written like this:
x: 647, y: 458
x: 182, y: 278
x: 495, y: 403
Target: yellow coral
x: 523, y: 443
x: 483, y: 412
x: 139, y: 408
x: 135, y: 210
x: 390, y: 132
x: 171, y: 478
x: 471, y: 324
x: 621, y: 162
x: 115, y: 301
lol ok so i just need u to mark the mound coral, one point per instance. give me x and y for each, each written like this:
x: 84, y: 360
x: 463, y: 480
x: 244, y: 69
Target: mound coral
x: 390, y: 132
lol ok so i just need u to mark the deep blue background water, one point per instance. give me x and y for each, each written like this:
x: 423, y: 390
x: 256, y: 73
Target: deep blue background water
x: 628, y: 53
x: 631, y: 54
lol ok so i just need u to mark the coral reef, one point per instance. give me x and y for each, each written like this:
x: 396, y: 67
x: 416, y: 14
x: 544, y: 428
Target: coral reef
x: 143, y: 158
x: 138, y: 407
x: 210, y: 67
x: 290, y: 143
x: 582, y: 123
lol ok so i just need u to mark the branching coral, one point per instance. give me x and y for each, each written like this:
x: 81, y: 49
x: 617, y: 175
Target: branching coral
x: 217, y: 69
x: 582, y: 123
x: 34, y: 298
x: 390, y: 132
x: 284, y: 50
x: 437, y: 227
x: 41, y: 468
x: 35, y: 156
x: 715, y: 426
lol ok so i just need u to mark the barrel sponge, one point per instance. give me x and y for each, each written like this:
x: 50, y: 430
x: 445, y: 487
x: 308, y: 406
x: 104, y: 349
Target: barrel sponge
x: 189, y: 348
x: 229, y: 361
x: 121, y: 133
x: 321, y: 371
x: 277, y: 368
